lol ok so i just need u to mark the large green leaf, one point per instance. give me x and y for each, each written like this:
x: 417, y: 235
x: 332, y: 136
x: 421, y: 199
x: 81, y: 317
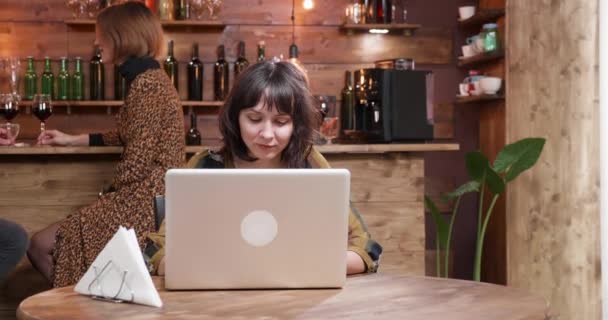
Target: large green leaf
x: 494, y: 182
x: 523, y: 154
x: 526, y: 161
x: 476, y: 164
x: 441, y: 225
x: 471, y: 186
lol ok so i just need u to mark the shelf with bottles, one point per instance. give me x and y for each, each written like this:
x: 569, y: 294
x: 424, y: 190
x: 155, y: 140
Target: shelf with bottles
x: 479, y: 98
x: 381, y: 28
x: 209, y: 24
x: 118, y: 103
x: 481, y: 17
x: 481, y: 58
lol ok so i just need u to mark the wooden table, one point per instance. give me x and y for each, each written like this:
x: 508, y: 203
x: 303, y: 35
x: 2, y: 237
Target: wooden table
x: 376, y: 296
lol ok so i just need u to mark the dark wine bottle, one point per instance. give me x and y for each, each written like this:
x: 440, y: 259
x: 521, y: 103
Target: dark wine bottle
x: 96, y: 76
x: 261, y: 51
x: 170, y: 66
x: 120, y: 84
x: 241, y: 62
x: 221, y: 73
x: 347, y: 111
x: 193, y: 137
x: 361, y: 100
x: 195, y: 76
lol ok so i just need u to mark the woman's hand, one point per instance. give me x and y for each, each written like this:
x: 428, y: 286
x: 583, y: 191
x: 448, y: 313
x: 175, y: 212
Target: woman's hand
x: 161, y: 267
x: 354, y: 263
x: 4, y: 138
x: 58, y: 138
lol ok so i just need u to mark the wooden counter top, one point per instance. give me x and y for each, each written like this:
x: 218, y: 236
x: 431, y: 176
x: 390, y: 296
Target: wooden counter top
x: 337, y: 148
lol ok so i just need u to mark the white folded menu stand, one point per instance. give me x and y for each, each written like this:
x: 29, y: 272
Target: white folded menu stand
x: 119, y: 273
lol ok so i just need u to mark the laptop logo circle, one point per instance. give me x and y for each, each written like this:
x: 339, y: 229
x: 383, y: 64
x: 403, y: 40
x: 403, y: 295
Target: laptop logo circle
x: 259, y: 228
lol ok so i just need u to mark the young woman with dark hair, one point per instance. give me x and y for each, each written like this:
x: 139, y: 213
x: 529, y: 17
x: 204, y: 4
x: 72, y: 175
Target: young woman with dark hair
x: 268, y: 121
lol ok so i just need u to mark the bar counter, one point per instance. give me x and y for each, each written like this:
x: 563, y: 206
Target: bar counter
x: 325, y: 149
x: 42, y: 185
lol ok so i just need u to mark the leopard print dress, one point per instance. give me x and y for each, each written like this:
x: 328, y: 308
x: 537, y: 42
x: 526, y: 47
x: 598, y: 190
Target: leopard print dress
x: 151, y: 129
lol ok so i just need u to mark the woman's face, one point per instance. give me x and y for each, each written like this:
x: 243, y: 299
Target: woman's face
x: 106, y: 47
x: 266, y: 133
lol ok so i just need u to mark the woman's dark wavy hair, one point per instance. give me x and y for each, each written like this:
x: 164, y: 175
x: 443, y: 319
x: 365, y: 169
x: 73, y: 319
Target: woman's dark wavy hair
x: 280, y: 85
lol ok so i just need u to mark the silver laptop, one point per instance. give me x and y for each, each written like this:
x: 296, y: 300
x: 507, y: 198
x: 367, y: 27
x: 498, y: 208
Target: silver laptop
x: 256, y: 228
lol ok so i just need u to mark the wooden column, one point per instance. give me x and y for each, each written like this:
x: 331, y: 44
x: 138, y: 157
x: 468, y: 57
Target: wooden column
x: 553, y: 219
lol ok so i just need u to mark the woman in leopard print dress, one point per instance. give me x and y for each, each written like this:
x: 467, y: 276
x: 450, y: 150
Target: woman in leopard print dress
x: 150, y: 127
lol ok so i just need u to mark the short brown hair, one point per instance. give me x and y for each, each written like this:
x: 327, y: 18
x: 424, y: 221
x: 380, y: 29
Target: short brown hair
x: 280, y: 85
x: 133, y: 30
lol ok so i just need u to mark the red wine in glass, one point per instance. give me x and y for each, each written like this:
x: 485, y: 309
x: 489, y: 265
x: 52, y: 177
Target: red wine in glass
x: 10, y: 107
x: 10, y: 113
x: 42, y: 109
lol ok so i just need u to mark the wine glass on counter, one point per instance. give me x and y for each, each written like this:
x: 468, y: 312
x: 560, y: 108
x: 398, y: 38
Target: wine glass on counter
x: 329, y: 127
x: 10, y: 106
x: 42, y: 108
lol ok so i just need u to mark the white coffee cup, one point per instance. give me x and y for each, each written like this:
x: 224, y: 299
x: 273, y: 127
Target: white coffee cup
x: 464, y: 89
x: 468, y: 50
x: 466, y: 12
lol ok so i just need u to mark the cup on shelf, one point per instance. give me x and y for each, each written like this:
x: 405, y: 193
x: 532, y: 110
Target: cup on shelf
x: 490, y: 85
x: 466, y: 12
x: 468, y: 50
x: 463, y: 88
x: 477, y: 43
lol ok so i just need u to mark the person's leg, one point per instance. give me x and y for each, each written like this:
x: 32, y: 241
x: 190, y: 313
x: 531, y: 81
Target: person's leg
x: 13, y: 243
x: 40, y: 251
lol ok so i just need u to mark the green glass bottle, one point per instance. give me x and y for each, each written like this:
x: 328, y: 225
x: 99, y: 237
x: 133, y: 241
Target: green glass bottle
x: 47, y: 80
x: 31, y: 79
x: 63, y: 81
x: 77, y: 81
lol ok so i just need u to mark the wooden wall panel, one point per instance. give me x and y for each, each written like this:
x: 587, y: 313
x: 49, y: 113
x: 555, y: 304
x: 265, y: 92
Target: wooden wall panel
x: 553, y: 214
x: 491, y: 141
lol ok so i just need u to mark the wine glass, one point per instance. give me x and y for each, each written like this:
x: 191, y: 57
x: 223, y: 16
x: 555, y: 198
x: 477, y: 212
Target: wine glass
x: 12, y: 131
x: 329, y: 127
x: 10, y: 106
x: 42, y: 108
x: 13, y: 66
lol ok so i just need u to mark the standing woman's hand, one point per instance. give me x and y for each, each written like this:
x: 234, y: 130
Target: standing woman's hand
x: 58, y: 138
x: 4, y: 138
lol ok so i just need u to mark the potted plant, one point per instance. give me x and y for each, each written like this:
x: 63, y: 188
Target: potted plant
x: 510, y: 162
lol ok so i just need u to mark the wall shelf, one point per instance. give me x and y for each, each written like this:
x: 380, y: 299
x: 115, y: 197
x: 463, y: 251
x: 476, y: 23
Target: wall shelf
x: 481, y: 58
x: 407, y: 28
x: 214, y: 24
x: 480, y: 98
x: 481, y: 17
x: 118, y: 103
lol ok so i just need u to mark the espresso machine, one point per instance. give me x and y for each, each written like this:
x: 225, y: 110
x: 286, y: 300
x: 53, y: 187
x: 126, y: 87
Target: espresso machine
x: 393, y: 105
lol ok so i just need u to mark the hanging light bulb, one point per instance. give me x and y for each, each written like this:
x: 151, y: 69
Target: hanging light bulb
x: 293, y: 48
x: 308, y: 4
